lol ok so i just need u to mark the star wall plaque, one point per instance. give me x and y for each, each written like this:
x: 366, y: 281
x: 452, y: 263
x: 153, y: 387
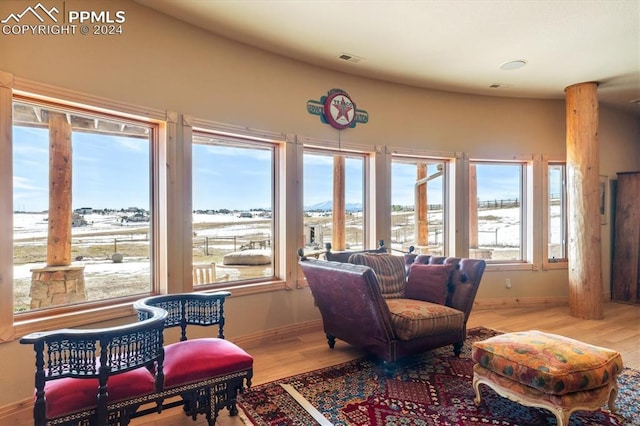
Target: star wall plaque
x: 338, y: 110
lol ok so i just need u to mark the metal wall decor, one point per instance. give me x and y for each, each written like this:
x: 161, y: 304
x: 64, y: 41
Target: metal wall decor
x: 337, y: 110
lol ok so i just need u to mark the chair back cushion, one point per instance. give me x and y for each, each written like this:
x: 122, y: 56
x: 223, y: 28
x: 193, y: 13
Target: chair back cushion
x: 428, y: 282
x: 389, y: 269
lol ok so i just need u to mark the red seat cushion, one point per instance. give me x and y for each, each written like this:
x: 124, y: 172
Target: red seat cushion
x: 197, y: 359
x: 69, y: 395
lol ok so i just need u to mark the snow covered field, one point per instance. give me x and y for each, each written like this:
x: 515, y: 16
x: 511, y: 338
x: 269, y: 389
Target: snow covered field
x: 214, y: 235
x: 94, y: 243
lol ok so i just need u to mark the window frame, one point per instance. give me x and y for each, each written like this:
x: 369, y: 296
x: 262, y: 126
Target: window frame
x: 153, y: 145
x: 248, y: 140
x: 547, y: 263
x: 284, y: 261
x: 448, y: 188
x: 17, y: 324
x: 529, y: 216
x: 366, y: 243
x: 371, y: 237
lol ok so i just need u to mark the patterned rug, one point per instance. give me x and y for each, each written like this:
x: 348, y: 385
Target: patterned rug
x: 430, y: 389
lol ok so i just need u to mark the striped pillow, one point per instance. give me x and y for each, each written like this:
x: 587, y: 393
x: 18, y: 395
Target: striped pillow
x: 389, y: 270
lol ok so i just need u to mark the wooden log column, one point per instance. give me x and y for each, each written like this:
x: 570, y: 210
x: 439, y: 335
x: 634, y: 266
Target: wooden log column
x: 422, y: 218
x: 60, y: 172
x: 58, y: 283
x: 585, y: 275
x: 338, y: 238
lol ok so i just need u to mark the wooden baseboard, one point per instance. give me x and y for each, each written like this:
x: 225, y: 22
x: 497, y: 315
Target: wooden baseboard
x: 275, y: 334
x: 520, y: 302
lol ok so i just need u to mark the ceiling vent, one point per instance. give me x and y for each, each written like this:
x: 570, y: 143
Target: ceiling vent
x: 350, y: 58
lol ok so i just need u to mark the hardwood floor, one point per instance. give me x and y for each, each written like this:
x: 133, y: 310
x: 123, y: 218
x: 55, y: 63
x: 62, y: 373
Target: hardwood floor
x: 620, y: 330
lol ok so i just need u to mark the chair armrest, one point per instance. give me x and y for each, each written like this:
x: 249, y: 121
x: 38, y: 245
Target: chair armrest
x: 349, y: 300
x: 465, y: 284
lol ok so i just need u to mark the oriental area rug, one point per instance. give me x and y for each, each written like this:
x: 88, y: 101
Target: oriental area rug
x: 433, y: 388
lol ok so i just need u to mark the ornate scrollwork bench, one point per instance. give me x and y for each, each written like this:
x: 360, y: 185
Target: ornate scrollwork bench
x: 108, y: 376
x: 207, y: 373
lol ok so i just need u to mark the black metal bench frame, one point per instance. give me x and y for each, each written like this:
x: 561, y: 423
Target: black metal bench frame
x: 104, y: 352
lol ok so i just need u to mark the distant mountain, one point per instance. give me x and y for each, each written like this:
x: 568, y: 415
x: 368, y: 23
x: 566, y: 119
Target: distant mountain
x: 327, y: 206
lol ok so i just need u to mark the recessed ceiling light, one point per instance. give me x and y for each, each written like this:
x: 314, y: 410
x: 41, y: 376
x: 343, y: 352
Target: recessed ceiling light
x: 513, y: 65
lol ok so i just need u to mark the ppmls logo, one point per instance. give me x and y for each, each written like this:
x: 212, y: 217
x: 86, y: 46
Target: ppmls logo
x: 34, y: 11
x: 52, y: 22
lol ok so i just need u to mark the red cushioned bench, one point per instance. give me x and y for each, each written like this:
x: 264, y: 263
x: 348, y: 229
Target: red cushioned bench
x: 208, y: 373
x: 109, y: 376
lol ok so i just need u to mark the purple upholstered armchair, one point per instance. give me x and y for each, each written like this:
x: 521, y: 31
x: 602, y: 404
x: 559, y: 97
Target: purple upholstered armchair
x: 372, y: 302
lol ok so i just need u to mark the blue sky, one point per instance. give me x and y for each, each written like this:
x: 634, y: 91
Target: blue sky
x: 112, y: 172
x: 108, y: 171
x: 231, y: 178
x: 318, y: 179
x: 498, y: 183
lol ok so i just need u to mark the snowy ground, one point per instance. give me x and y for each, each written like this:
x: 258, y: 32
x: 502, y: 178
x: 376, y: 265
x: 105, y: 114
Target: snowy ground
x: 103, y: 233
x: 222, y: 233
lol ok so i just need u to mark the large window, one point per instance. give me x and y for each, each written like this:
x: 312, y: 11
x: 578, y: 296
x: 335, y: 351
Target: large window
x: 497, y: 214
x: 418, y: 205
x: 333, y: 200
x: 233, y: 186
x: 82, y: 185
x: 557, y: 212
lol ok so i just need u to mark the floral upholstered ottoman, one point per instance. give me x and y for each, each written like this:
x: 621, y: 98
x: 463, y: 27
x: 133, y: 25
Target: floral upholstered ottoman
x: 545, y: 370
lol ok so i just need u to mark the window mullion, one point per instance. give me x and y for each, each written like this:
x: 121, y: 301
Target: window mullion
x: 6, y: 207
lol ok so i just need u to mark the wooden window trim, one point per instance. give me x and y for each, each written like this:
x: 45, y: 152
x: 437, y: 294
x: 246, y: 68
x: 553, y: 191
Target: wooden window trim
x: 12, y: 324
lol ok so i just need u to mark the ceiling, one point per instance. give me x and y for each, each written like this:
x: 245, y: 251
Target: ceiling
x: 453, y: 45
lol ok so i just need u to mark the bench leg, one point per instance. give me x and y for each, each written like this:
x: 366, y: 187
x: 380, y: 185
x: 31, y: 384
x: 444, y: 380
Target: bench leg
x: 190, y: 405
x: 212, y: 413
x: 234, y: 388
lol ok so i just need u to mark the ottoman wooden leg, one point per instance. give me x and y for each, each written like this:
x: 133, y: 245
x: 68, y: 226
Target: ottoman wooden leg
x: 476, y: 388
x: 562, y: 414
x: 560, y: 406
x: 612, y: 399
